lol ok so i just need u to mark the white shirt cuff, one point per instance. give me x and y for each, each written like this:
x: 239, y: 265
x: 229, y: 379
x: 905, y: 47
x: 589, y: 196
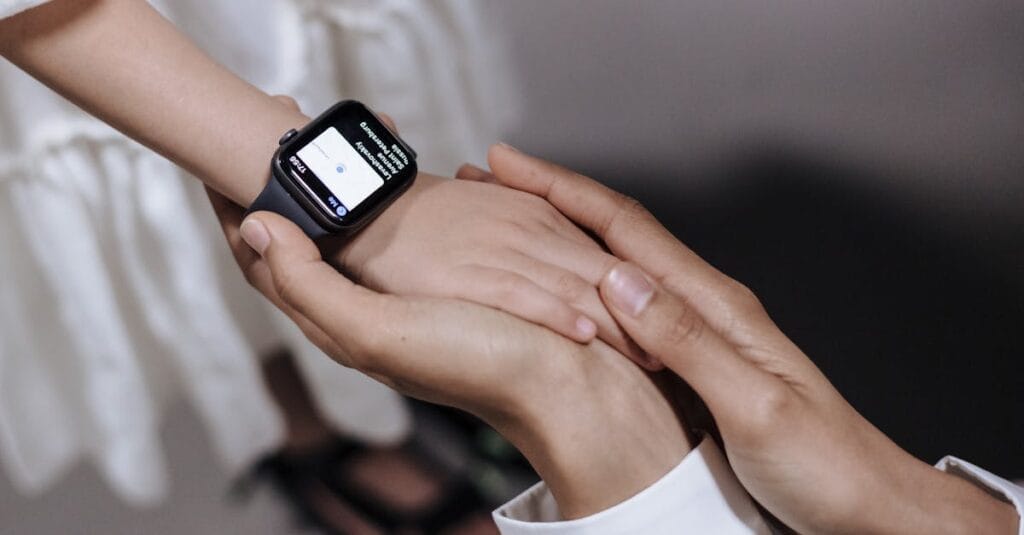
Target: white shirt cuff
x: 700, y: 495
x: 987, y: 481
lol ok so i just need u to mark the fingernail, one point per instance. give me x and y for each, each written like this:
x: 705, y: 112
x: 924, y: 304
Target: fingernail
x: 586, y: 327
x: 629, y: 289
x: 509, y: 147
x: 255, y: 234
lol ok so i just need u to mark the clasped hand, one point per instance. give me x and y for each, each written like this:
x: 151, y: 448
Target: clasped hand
x: 597, y: 427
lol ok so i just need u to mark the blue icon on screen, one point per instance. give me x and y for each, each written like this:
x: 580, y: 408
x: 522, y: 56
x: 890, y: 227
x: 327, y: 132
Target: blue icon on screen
x: 338, y: 207
x: 340, y: 169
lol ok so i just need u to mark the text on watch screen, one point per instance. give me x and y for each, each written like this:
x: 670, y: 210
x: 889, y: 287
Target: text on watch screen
x: 352, y: 168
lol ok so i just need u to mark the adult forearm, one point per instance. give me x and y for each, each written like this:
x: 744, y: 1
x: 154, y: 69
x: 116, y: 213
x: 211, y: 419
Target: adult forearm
x: 931, y: 501
x: 126, y: 64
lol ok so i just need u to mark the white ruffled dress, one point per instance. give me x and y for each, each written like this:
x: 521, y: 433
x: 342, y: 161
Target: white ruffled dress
x: 108, y: 312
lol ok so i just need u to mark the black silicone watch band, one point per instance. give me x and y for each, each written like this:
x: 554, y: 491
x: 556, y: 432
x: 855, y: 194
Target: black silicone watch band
x: 275, y: 198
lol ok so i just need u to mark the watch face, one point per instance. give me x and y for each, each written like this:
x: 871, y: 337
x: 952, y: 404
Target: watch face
x: 346, y: 164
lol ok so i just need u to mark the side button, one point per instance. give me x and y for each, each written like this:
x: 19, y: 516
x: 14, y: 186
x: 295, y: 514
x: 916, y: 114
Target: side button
x: 287, y: 135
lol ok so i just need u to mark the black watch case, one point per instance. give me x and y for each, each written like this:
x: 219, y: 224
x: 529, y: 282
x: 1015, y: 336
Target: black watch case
x: 368, y: 165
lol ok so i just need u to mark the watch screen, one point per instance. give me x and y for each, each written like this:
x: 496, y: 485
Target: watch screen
x: 347, y: 175
x: 345, y: 160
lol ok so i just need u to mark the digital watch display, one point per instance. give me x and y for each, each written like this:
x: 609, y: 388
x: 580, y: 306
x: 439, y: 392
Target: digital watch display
x: 341, y: 170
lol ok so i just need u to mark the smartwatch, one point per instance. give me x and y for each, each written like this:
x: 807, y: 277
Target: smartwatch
x: 338, y: 172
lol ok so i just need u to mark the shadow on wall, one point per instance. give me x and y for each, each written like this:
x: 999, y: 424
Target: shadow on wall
x: 919, y: 329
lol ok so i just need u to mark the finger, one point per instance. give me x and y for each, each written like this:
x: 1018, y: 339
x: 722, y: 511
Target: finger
x: 632, y: 233
x: 352, y: 315
x: 669, y: 329
x: 256, y: 272
x: 259, y: 276
x: 589, y: 262
x: 582, y: 296
x: 518, y: 295
x: 287, y: 102
x: 583, y: 200
x: 612, y: 216
x: 388, y: 122
x: 473, y: 173
x: 559, y: 224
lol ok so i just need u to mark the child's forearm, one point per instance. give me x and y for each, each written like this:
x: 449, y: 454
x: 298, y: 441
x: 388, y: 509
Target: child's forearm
x: 123, y: 62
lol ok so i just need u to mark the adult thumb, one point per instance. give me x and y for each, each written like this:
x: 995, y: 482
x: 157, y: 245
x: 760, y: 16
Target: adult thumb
x: 668, y: 329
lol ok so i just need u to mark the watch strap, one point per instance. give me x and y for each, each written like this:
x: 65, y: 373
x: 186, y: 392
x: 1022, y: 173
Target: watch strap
x: 275, y: 198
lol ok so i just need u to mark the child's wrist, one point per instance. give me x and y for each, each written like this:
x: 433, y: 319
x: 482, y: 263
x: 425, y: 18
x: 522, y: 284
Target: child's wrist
x: 258, y: 149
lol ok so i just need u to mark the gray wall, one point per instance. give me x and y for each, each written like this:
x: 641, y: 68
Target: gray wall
x: 859, y: 163
x: 930, y: 94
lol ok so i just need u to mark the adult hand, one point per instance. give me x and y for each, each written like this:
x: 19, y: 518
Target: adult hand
x: 489, y: 245
x: 563, y: 404
x: 797, y: 446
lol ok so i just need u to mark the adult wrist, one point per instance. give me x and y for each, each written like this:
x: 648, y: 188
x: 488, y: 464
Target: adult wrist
x: 963, y: 507
x: 601, y: 436
x: 928, y: 500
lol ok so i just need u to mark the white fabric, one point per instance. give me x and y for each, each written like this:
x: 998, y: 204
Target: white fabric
x: 11, y: 7
x: 108, y: 313
x: 700, y: 495
x: 993, y: 484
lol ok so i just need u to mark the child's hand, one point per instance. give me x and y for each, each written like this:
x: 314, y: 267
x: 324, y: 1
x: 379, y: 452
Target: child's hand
x: 595, y: 427
x: 451, y: 239
x: 490, y: 245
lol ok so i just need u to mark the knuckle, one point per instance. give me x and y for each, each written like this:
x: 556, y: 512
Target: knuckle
x: 768, y: 414
x: 550, y: 215
x: 742, y: 292
x: 572, y: 287
x: 742, y: 297
x: 607, y: 262
x: 538, y: 210
x: 684, y: 327
x: 510, y: 288
x: 628, y: 213
x: 286, y: 284
x: 632, y: 209
x: 520, y: 229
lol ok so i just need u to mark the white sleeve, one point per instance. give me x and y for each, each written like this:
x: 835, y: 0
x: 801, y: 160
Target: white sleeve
x: 13, y: 7
x: 987, y: 481
x: 700, y: 495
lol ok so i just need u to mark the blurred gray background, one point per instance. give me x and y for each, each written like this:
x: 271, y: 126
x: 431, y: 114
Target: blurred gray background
x: 859, y: 164
x: 928, y: 95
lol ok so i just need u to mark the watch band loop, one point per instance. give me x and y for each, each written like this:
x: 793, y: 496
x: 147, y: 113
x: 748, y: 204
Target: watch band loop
x: 275, y: 198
